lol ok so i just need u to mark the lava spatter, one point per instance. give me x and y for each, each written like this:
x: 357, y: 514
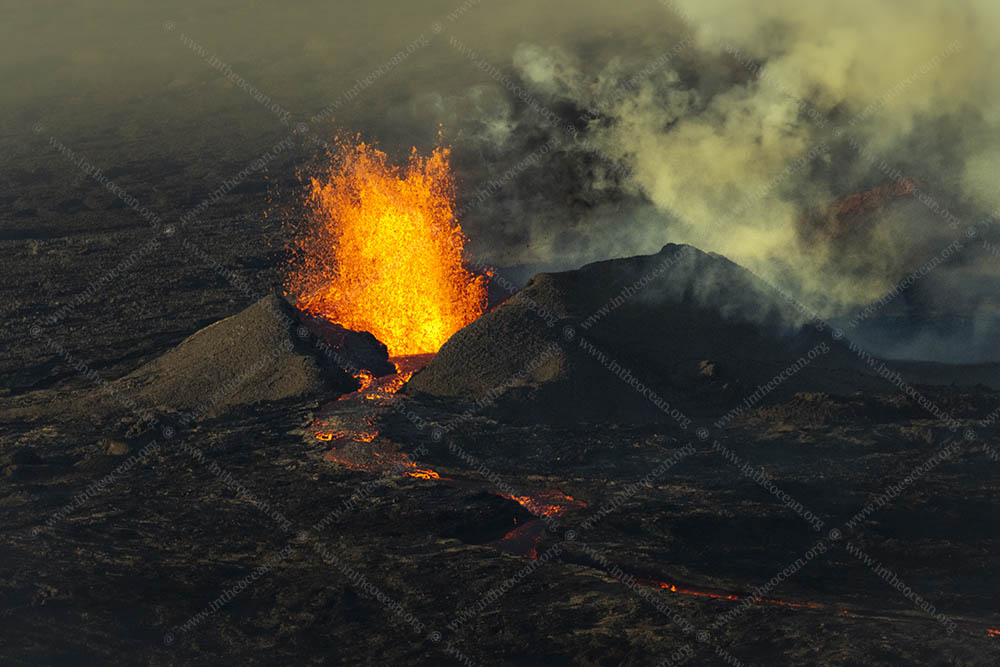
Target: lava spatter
x: 382, y: 250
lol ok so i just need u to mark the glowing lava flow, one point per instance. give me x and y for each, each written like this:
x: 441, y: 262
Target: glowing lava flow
x: 673, y: 588
x: 546, y: 503
x: 524, y: 541
x: 352, y: 434
x: 354, y: 445
x: 382, y: 251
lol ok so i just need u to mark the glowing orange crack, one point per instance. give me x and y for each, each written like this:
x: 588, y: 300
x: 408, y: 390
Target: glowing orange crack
x: 673, y: 588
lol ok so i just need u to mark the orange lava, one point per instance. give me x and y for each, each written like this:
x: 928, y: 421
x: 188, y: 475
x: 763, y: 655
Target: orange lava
x: 421, y: 473
x: 383, y: 250
x: 388, y: 387
x: 991, y: 632
x: 523, y: 540
x: 378, y: 458
x: 730, y: 596
x: 365, y: 379
x: 546, y: 503
x: 365, y: 436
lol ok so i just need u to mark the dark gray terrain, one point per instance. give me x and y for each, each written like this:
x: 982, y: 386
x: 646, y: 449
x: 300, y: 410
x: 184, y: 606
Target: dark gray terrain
x: 132, y: 535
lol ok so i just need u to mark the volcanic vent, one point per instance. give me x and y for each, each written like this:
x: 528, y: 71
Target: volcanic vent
x: 382, y: 250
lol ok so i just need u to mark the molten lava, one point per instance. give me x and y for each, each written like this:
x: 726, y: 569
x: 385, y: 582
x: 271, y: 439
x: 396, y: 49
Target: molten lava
x: 545, y: 503
x: 382, y: 250
x: 365, y: 379
x: 353, y: 440
x: 673, y: 588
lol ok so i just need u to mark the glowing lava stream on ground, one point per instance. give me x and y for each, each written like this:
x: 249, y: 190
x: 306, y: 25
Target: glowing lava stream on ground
x: 353, y: 441
x: 382, y: 252
x: 351, y: 434
x: 350, y: 426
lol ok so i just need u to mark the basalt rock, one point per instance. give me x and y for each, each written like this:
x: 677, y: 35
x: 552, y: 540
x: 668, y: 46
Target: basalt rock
x: 271, y: 351
x: 641, y: 339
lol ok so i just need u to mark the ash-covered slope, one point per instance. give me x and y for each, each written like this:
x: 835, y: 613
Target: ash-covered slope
x: 269, y: 351
x: 695, y: 329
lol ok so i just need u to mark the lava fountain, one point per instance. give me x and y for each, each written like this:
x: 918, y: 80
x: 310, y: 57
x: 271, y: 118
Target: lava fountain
x: 381, y: 250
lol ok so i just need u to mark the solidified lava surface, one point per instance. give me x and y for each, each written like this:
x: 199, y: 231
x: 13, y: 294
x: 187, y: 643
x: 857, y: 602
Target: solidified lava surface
x: 100, y: 561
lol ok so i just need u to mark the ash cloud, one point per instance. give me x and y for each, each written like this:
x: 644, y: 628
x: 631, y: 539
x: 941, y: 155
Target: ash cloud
x: 833, y: 149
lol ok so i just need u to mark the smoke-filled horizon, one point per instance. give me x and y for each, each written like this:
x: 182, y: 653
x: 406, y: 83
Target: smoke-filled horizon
x: 834, y: 149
